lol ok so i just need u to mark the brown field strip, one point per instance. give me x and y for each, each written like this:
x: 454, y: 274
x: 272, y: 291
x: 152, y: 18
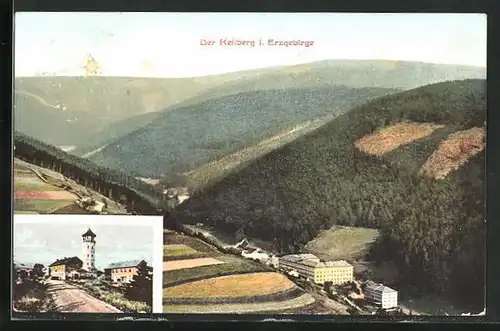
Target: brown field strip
x: 388, y: 139
x: 454, y: 152
x: 259, y: 283
x: 190, y: 263
x: 49, y: 195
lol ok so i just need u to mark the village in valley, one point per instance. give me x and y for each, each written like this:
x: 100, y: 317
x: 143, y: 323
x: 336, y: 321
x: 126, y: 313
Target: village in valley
x: 75, y: 284
x: 308, y: 284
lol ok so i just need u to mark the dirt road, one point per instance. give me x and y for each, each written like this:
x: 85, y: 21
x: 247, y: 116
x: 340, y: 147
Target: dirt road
x: 69, y: 298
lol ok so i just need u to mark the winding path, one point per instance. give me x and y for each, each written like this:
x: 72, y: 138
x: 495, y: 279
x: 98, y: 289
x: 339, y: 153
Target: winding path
x: 39, y: 98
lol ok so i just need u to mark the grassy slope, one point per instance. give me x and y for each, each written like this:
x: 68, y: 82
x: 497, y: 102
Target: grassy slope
x: 434, y: 228
x: 186, y: 138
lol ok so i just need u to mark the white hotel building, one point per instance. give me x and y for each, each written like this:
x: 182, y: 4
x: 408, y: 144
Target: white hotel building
x: 381, y: 295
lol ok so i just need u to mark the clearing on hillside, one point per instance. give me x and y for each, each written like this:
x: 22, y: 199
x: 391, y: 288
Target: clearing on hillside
x: 233, y: 286
x: 190, y: 263
x: 389, y: 138
x: 454, y: 152
x: 342, y: 242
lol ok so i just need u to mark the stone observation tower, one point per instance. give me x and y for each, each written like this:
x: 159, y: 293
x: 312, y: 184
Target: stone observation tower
x: 89, y: 250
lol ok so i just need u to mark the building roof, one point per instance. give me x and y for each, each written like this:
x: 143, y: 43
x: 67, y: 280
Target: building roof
x: 21, y: 265
x: 377, y: 287
x: 125, y: 264
x: 313, y: 261
x: 80, y: 271
x: 339, y: 263
x: 66, y: 261
x: 298, y: 258
x: 89, y: 233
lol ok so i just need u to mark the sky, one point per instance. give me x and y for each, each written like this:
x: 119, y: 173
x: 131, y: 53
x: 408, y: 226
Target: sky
x: 169, y: 44
x: 45, y: 241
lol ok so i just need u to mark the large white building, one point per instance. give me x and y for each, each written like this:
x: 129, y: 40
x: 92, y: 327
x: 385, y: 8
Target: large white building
x: 382, y: 295
x: 88, y: 252
x: 256, y: 254
x: 310, y: 266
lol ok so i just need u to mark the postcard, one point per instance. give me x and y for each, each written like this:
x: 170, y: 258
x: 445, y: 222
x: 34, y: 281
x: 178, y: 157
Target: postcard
x: 301, y: 163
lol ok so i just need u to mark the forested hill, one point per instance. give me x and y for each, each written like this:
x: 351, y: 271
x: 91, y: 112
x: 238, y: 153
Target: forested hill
x: 186, y: 138
x: 341, y: 174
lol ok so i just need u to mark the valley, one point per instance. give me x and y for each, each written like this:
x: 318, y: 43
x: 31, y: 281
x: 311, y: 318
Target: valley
x: 348, y: 161
x: 330, y: 177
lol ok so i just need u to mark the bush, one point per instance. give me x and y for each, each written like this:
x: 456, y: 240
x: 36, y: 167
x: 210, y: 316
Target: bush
x: 31, y: 296
x: 29, y: 304
x: 117, y: 300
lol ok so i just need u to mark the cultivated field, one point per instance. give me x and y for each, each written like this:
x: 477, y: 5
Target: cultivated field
x: 37, y: 206
x: 392, y: 137
x: 42, y: 191
x: 222, y: 283
x: 232, y: 265
x: 35, y: 196
x: 313, y: 309
x: 178, y: 250
x: 47, y: 195
x: 254, y: 284
x: 190, y: 263
x: 454, y: 152
x: 295, y: 303
x: 172, y: 238
x: 341, y: 242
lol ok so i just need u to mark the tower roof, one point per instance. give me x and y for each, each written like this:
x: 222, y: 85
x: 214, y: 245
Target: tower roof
x: 89, y: 233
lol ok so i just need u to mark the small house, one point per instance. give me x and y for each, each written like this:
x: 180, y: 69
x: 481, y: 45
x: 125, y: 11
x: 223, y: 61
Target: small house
x: 25, y: 269
x: 123, y: 272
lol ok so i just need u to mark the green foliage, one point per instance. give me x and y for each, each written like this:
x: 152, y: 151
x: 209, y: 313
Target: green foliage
x: 180, y: 140
x: 435, y: 227
x: 38, y: 271
x: 104, y: 291
x: 141, y: 287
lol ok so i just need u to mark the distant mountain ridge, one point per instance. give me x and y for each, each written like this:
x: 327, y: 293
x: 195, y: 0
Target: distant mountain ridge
x: 89, y: 107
